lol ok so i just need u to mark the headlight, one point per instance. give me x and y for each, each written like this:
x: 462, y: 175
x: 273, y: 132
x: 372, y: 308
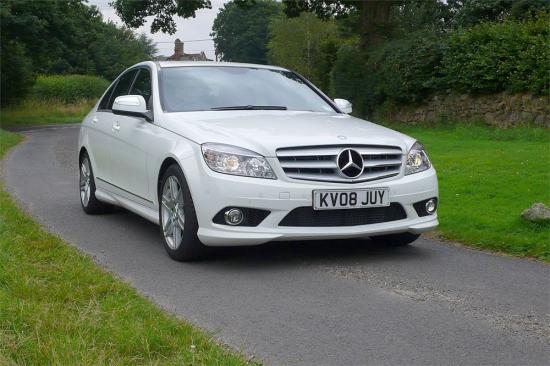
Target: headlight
x: 234, y: 160
x: 417, y: 159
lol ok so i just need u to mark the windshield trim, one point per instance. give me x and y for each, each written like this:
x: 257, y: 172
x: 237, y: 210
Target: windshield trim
x: 317, y: 91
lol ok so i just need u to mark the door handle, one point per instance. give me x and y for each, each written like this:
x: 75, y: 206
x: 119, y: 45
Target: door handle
x: 94, y: 120
x: 116, y: 127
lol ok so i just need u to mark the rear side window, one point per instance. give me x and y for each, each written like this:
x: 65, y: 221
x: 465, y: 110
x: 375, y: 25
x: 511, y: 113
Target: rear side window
x: 142, y: 85
x: 122, y: 87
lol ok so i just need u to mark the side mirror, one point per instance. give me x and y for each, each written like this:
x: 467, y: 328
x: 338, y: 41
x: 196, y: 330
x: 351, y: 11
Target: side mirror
x: 343, y: 105
x: 133, y: 106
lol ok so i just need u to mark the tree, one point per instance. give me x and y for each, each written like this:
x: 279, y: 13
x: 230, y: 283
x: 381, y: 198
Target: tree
x: 305, y: 44
x: 374, y: 15
x: 118, y: 48
x: 62, y: 37
x: 17, y: 77
x: 134, y: 12
x: 467, y: 13
x: 420, y: 15
x: 240, y: 30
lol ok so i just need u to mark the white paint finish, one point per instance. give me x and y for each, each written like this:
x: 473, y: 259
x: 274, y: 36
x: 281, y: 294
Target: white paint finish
x: 130, y: 103
x: 344, y: 105
x: 128, y: 159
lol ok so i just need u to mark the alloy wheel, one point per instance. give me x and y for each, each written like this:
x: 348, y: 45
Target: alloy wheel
x: 172, y: 213
x: 85, y: 181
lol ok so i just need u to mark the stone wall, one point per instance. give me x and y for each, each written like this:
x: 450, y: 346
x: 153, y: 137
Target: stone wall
x: 503, y: 110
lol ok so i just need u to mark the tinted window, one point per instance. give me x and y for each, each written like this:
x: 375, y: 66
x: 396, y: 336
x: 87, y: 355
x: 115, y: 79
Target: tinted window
x: 196, y: 88
x: 142, y: 85
x: 105, y: 100
x: 122, y: 87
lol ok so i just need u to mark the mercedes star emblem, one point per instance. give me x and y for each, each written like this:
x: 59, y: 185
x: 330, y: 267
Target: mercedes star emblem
x: 350, y: 163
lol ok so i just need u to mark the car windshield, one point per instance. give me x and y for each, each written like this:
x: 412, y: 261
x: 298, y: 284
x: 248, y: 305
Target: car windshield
x: 205, y: 88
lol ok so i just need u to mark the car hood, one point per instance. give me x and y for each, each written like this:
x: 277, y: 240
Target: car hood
x: 266, y: 131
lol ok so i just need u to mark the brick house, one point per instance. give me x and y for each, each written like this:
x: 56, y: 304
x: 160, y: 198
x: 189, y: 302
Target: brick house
x: 180, y: 55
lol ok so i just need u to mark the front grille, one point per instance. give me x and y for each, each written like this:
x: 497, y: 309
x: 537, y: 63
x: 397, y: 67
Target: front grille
x: 318, y: 163
x: 308, y: 217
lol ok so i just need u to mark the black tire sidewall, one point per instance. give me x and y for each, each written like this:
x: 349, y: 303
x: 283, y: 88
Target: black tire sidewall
x: 190, y: 248
x: 94, y: 205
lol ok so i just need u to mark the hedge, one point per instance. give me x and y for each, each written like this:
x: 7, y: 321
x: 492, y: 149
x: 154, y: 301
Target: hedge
x: 488, y: 58
x: 493, y: 57
x: 408, y: 68
x: 68, y: 88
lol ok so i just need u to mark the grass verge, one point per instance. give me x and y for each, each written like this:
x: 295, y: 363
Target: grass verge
x: 58, y: 307
x: 487, y: 177
x: 36, y: 112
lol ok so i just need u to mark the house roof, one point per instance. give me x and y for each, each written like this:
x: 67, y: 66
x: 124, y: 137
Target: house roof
x: 167, y: 63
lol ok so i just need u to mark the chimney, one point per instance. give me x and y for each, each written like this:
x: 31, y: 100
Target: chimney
x: 178, y: 48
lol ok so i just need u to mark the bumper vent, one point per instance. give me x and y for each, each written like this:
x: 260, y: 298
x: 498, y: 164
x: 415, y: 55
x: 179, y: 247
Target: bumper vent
x: 318, y: 163
x: 420, y: 207
x: 251, y: 216
x: 308, y: 217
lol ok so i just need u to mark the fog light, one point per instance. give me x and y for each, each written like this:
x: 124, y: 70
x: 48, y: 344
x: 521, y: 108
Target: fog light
x: 431, y: 206
x: 233, y: 216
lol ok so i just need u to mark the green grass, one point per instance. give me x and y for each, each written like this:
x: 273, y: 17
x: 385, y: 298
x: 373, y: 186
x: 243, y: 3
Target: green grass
x: 35, y: 112
x: 58, y: 307
x: 487, y: 177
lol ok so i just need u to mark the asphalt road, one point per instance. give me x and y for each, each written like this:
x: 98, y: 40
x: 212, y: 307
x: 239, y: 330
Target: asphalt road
x: 307, y: 303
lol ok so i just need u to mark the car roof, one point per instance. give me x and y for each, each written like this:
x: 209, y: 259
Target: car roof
x: 163, y: 64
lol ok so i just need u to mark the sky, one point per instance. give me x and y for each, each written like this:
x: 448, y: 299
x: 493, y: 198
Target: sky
x: 198, y: 28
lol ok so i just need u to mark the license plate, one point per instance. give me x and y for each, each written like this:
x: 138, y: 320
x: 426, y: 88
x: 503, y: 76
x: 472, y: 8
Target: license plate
x: 361, y: 198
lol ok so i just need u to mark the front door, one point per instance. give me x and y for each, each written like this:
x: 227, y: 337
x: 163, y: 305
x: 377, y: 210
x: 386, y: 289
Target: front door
x: 133, y: 139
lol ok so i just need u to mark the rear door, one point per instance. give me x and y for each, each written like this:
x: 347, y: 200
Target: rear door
x: 99, y: 134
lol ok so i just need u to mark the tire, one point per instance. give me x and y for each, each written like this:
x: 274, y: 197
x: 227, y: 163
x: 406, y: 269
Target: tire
x: 397, y: 240
x: 90, y: 204
x: 177, y: 217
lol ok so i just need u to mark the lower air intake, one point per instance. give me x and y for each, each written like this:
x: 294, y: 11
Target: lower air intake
x: 308, y: 217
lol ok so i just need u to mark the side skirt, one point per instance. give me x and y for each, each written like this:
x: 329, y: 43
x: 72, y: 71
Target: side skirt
x: 108, y: 193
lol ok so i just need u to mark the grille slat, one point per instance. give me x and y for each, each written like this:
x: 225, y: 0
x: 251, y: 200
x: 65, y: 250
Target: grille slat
x: 318, y: 163
x: 310, y: 152
x: 332, y: 150
x: 375, y: 163
x: 328, y: 164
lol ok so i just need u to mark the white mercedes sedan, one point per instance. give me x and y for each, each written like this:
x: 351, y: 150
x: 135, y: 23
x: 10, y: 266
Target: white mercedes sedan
x: 222, y: 154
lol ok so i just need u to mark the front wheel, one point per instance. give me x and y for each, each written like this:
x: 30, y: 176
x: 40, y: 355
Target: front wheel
x: 398, y: 240
x: 177, y: 217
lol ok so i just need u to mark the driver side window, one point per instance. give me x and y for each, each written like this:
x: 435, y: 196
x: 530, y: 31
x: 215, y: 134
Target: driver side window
x: 142, y: 86
x: 122, y: 87
x: 105, y: 100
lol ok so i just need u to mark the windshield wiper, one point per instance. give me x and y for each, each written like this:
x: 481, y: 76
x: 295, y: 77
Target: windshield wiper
x: 251, y: 108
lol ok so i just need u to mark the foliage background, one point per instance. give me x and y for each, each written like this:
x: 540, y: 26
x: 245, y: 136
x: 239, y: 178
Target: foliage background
x: 240, y: 31
x: 69, y: 88
x: 305, y: 44
x: 429, y: 47
x: 61, y: 37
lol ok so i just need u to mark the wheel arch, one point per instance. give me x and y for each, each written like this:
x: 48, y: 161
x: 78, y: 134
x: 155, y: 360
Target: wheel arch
x: 82, y: 151
x: 168, y: 161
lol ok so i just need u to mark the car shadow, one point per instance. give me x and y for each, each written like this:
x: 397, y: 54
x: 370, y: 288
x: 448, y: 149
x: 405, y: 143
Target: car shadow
x: 292, y: 253
x: 287, y: 253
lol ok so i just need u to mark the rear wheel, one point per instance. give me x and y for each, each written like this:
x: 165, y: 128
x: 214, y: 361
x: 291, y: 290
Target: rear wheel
x: 397, y: 240
x: 90, y: 204
x: 177, y: 217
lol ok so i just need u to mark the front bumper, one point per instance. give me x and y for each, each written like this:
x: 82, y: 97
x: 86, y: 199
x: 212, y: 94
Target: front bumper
x: 213, y: 191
